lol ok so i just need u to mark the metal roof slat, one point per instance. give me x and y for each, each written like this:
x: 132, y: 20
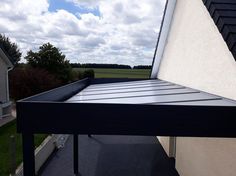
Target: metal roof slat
x: 132, y: 91
x: 127, y: 88
x: 132, y: 95
x: 206, y: 102
x: 126, y: 83
x: 153, y: 99
x: 122, y: 85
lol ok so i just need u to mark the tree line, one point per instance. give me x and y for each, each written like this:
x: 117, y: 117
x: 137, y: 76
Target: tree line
x: 142, y: 67
x: 94, y: 65
x: 115, y: 66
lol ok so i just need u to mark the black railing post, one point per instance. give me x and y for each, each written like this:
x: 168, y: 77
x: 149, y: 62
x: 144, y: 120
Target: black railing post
x: 28, y: 154
x: 76, y: 154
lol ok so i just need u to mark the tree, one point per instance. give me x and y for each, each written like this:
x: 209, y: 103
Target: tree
x: 51, y: 59
x: 142, y: 67
x: 11, y: 49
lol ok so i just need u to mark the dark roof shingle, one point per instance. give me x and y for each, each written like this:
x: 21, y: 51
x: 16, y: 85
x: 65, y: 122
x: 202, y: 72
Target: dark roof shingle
x: 223, y: 12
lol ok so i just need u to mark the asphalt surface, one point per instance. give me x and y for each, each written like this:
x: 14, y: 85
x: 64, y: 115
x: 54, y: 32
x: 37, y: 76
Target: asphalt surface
x: 112, y: 156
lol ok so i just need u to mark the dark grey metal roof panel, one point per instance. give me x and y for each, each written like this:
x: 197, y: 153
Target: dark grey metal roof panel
x: 226, y: 31
x: 149, y: 92
x: 223, y: 13
x: 152, y: 99
x: 225, y: 22
x: 125, y: 83
x: 220, y: 6
x: 203, y: 102
x: 132, y: 94
x: 133, y: 87
x: 149, y: 88
x: 219, y: 1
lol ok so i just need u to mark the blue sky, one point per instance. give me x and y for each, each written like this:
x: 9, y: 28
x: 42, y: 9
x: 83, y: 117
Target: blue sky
x: 86, y: 31
x: 55, y: 5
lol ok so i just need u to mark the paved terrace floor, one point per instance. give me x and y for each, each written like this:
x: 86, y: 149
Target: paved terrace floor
x: 112, y: 156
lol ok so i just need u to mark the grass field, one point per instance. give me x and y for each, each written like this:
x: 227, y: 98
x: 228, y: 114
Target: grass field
x: 118, y: 73
x: 5, y: 132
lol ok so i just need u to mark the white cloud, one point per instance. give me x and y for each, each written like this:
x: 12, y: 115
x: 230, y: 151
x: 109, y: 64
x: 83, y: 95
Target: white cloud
x: 89, y: 4
x: 124, y: 33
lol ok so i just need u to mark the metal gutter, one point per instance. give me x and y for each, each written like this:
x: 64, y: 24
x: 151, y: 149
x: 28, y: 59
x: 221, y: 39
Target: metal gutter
x: 162, y: 38
x: 59, y: 94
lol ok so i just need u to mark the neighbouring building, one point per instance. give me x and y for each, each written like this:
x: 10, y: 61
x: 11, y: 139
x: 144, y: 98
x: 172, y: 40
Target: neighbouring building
x: 5, y: 67
x: 199, y: 51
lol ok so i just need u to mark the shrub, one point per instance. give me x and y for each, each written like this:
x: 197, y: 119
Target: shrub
x: 89, y: 73
x: 75, y: 75
x: 86, y: 74
x: 80, y: 74
x: 24, y: 82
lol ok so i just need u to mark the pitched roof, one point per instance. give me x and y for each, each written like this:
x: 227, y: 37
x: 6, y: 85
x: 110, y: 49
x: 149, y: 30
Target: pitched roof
x: 5, y: 57
x: 223, y: 12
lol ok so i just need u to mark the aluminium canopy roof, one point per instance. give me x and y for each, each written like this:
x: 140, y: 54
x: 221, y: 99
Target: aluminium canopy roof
x: 152, y: 92
x: 147, y: 107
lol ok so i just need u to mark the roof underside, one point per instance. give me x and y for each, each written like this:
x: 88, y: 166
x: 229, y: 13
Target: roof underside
x: 223, y: 13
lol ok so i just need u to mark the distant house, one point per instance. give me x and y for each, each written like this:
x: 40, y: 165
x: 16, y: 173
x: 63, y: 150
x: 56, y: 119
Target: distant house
x: 5, y: 67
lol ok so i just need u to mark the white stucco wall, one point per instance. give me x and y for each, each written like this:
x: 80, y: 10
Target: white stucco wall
x: 165, y: 142
x: 206, y: 157
x: 196, y: 56
x: 3, y: 83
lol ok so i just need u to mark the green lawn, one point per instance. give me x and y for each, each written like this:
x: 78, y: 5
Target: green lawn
x: 118, y: 73
x: 5, y: 132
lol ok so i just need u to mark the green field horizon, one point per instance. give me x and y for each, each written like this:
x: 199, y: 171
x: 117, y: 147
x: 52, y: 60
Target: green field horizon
x: 118, y: 73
